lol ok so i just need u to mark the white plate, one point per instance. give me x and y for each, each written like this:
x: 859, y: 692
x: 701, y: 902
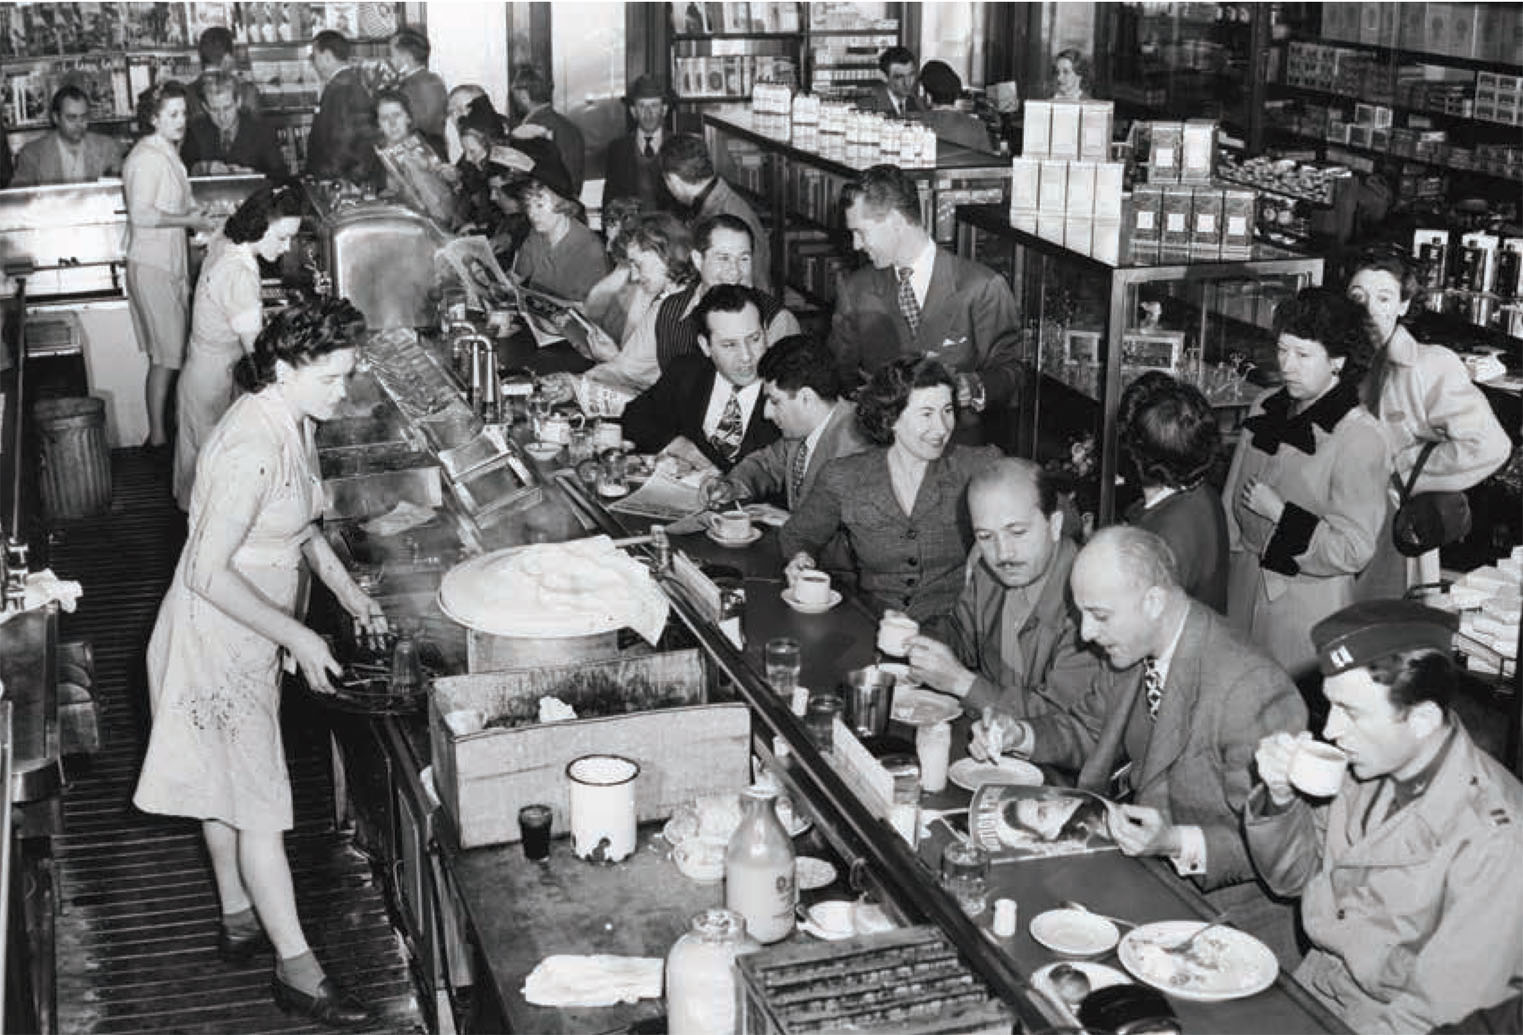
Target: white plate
x: 813, y: 874
x: 1074, y: 933
x: 970, y: 774
x: 1100, y: 976
x: 810, y: 609
x: 735, y: 544
x: 916, y: 707
x: 1224, y: 963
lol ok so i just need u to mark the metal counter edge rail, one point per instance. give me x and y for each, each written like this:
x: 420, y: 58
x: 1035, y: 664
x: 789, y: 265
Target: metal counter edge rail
x: 890, y: 859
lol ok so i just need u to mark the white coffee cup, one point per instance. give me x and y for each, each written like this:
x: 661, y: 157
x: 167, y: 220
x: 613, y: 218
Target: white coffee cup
x: 812, y: 587
x: 894, y: 632
x: 732, y: 524
x: 556, y: 428
x: 1317, y: 768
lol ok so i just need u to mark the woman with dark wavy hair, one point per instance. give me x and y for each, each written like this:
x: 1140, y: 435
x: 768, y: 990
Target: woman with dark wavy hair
x: 229, y: 620
x: 226, y: 319
x: 657, y: 256
x: 1306, y: 493
x: 160, y: 208
x: 900, y: 505
x: 1169, y: 439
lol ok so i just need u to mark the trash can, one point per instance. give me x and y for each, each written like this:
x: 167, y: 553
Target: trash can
x: 74, y: 461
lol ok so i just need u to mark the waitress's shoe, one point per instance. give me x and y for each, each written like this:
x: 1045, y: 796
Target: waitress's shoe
x: 331, y: 1004
x: 240, y: 948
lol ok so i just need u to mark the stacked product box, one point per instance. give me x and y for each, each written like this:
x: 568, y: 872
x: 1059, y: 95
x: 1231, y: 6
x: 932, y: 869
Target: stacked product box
x: 1190, y: 222
x: 1063, y: 186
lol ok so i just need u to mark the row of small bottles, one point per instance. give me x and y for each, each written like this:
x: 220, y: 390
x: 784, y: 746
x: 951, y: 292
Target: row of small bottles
x: 761, y: 894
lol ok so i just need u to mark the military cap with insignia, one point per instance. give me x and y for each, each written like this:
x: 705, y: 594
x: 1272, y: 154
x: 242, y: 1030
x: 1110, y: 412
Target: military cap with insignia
x: 1374, y: 629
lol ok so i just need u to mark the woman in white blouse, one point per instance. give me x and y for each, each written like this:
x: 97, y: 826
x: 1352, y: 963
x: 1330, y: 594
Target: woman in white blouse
x: 226, y: 320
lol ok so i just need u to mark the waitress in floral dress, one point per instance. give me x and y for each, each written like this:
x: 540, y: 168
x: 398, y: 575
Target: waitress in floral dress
x: 227, y: 623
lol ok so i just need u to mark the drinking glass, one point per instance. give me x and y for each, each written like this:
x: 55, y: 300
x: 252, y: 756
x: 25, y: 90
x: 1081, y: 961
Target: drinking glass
x: 820, y: 719
x: 783, y: 658
x: 965, y: 875
x: 534, y: 826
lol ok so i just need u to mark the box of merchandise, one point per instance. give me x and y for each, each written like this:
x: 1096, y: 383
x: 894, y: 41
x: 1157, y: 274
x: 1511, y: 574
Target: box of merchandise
x: 1025, y: 182
x: 1095, y: 126
x: 1052, y: 188
x: 1110, y: 179
x: 1107, y: 241
x: 493, y: 753
x: 1049, y: 226
x: 1178, y: 203
x: 1206, y: 223
x: 1036, y: 134
x: 1024, y: 219
x: 1197, y: 152
x: 1164, y: 142
x: 1146, y: 206
x: 1064, y: 132
x: 1080, y: 202
x: 1077, y: 234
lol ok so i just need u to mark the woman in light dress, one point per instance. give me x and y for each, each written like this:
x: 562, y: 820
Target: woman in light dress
x: 228, y: 622
x: 226, y: 319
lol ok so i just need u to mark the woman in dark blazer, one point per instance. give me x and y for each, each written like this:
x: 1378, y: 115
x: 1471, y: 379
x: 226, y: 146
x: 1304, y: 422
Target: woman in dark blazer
x: 900, y: 506
x: 1169, y: 437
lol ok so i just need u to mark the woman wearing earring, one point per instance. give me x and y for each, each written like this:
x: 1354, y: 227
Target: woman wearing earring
x: 160, y: 208
x: 229, y: 621
x: 1306, y: 493
x: 1419, y: 393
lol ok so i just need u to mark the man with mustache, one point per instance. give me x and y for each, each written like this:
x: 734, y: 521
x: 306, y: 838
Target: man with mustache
x: 1012, y: 642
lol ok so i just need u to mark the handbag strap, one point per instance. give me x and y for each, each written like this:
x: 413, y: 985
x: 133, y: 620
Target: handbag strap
x: 1417, y: 469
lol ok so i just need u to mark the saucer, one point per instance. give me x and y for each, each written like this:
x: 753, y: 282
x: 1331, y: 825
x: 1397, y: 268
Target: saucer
x: 544, y: 452
x: 810, y: 609
x: 735, y: 544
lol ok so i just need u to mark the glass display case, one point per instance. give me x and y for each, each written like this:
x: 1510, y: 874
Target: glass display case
x: 1092, y: 326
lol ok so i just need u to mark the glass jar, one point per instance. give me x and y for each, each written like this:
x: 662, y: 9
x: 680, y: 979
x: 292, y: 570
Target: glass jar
x: 759, y: 868
x: 702, y: 991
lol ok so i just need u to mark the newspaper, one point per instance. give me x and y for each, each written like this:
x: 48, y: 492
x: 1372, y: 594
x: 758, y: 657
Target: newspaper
x: 1013, y: 822
x: 472, y: 263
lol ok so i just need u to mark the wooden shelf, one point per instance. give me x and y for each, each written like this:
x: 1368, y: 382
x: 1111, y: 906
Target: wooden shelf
x: 1391, y: 156
x: 1337, y: 98
x: 1399, y: 54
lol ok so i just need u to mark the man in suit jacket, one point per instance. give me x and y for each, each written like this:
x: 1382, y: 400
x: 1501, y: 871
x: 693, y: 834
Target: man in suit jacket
x: 896, y: 94
x: 225, y: 137
x: 70, y: 153
x: 426, y: 97
x: 631, y: 164
x: 803, y: 398
x: 712, y: 400
x: 530, y: 92
x: 917, y: 299
x: 1184, y: 709
x: 215, y: 48
x: 341, y: 144
x: 1012, y: 642
x: 689, y: 174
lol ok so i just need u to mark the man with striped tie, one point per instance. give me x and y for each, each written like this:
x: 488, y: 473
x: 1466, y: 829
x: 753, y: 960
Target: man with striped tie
x: 1171, y: 728
x: 803, y: 398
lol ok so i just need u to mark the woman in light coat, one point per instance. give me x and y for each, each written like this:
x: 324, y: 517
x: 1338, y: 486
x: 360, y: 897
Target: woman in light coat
x: 1306, y: 493
x: 1419, y: 393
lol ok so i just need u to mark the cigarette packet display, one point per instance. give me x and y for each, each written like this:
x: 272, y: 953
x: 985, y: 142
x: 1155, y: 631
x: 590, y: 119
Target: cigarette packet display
x: 1238, y: 206
x: 1095, y: 120
x: 1178, y: 202
x: 1081, y: 190
x: 1147, y: 213
x: 1197, y: 151
x: 1109, y: 180
x: 1025, y: 181
x: 1206, y: 224
x: 1163, y: 155
x: 1036, y: 136
x: 1064, y: 142
x: 1052, y: 192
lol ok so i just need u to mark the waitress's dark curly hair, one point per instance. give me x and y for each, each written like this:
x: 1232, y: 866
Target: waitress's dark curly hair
x: 300, y: 335
x: 259, y: 210
x: 1325, y: 316
x: 887, y: 393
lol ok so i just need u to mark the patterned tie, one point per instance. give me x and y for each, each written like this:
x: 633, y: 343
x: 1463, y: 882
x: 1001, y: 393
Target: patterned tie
x: 650, y: 152
x: 727, y: 436
x: 907, y: 304
x: 796, y: 473
x: 1152, y: 687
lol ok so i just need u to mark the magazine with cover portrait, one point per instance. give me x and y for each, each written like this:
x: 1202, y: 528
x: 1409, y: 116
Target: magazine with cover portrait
x: 1013, y: 822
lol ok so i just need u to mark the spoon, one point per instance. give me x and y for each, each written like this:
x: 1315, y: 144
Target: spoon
x: 1082, y: 908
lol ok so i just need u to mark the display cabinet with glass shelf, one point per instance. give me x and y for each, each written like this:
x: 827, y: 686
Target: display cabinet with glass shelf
x: 1094, y: 326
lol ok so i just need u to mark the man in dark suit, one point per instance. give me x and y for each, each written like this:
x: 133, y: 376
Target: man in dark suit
x: 341, y: 145
x: 803, y: 398
x: 896, y: 94
x: 1012, y: 642
x: 1173, y: 724
x: 530, y: 92
x: 712, y: 400
x: 227, y: 138
x: 631, y: 163
x: 688, y: 172
x: 426, y: 97
x: 920, y: 300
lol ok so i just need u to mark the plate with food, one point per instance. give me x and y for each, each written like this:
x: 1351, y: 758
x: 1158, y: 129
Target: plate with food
x: 1223, y: 963
x: 915, y: 706
x: 970, y: 774
x: 1074, y: 932
x: 1065, y: 985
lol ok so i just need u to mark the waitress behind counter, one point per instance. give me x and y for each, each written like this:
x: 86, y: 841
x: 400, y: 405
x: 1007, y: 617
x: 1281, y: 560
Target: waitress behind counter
x: 226, y: 320
x: 160, y: 208
x: 900, y: 505
x: 214, y: 660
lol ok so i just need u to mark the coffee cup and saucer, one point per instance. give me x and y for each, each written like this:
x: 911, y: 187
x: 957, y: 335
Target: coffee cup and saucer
x: 1317, y: 768
x: 810, y: 593
x: 732, y: 528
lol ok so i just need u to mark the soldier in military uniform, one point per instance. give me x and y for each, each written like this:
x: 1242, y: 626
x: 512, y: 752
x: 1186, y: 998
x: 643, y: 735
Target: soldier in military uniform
x: 1408, y: 876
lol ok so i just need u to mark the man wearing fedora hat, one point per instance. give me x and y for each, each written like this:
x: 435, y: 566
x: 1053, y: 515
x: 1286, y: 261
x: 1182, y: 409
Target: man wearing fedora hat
x: 631, y: 163
x: 1408, y: 875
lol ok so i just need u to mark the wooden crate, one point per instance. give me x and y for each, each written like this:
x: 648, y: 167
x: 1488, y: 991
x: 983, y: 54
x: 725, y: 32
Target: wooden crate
x: 907, y: 982
x: 684, y: 747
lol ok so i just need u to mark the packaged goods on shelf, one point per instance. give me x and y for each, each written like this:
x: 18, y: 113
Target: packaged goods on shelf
x: 1036, y: 137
